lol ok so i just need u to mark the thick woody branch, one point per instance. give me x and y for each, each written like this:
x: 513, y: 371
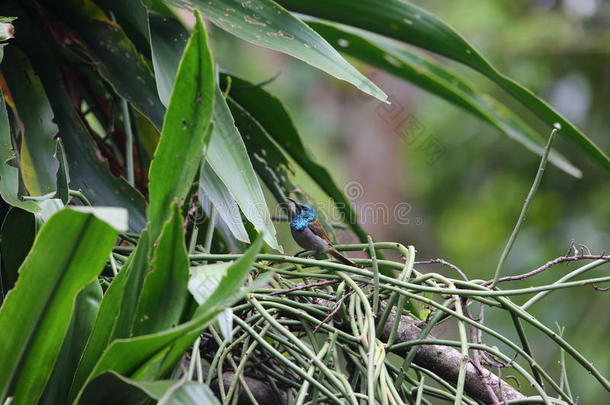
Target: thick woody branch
x: 445, y: 362
x: 262, y: 392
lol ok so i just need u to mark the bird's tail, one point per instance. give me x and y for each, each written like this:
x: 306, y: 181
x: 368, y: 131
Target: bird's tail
x: 335, y: 253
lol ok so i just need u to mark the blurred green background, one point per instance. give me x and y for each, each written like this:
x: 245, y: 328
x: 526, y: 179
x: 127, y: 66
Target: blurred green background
x: 458, y: 182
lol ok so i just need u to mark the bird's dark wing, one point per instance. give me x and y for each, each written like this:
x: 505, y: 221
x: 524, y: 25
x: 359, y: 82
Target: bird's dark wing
x: 317, y: 229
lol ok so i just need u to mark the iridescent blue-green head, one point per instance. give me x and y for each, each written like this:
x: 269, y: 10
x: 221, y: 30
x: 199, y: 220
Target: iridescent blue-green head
x: 304, y: 215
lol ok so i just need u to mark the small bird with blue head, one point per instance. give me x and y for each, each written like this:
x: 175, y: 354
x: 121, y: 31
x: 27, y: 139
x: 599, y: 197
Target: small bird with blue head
x: 309, y: 234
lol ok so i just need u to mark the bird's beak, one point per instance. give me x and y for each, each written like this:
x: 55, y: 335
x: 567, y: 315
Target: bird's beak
x: 297, y: 206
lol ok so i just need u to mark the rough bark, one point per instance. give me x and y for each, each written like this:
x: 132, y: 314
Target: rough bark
x: 262, y: 392
x: 445, y: 362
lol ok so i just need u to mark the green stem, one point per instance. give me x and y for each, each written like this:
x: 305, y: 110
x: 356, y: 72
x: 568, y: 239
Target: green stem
x: 193, y: 241
x: 305, y: 387
x: 525, y: 343
x: 464, y: 350
x: 78, y: 194
x: 209, y: 232
x: 420, y: 391
x: 526, y: 205
x: 303, y: 348
x: 238, y: 373
x: 373, y: 255
x: 398, y: 283
x: 371, y: 341
x: 410, y: 260
x: 567, y: 277
x: 282, y: 359
x: 128, y: 142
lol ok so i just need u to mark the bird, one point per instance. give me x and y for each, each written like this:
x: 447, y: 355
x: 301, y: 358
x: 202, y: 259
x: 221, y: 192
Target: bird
x: 309, y: 234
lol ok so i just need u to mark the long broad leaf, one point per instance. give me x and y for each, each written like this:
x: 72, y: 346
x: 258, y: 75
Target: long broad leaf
x: 406, y: 22
x: 436, y: 79
x: 36, y: 313
x: 267, y: 24
x: 227, y: 174
x: 148, y: 357
x: 190, y: 393
x: 185, y: 129
x: 229, y: 291
x: 105, y: 326
x: 229, y: 159
x: 216, y: 192
x: 37, y: 162
x: 113, y: 389
x: 202, y: 283
x: 268, y: 160
x: 177, y: 157
x: 9, y: 174
x: 16, y: 239
x: 83, y: 319
x: 167, y: 41
x: 164, y: 291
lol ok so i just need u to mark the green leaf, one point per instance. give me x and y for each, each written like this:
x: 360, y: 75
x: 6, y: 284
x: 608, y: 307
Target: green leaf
x: 268, y: 160
x: 63, y: 175
x: 113, y: 389
x: 87, y: 172
x: 36, y: 158
x: 117, y: 311
x: 270, y: 113
x: 150, y: 356
x: 147, y: 138
x: 164, y: 292
x: 227, y: 173
x: 183, y: 139
x: 167, y: 42
x: 212, y: 188
x: 190, y: 393
x: 113, y: 54
x: 229, y: 291
x: 203, y: 282
x: 426, y: 73
x: 48, y: 208
x: 115, y: 217
x: 228, y: 158
x: 406, y: 22
x: 36, y: 313
x: 131, y: 16
x: 9, y: 175
x: 265, y: 23
x: 185, y: 131
x: 105, y: 324
x: 83, y: 319
x: 16, y: 239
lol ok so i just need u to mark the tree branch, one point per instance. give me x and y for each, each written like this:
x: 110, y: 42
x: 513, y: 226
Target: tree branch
x: 445, y: 362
